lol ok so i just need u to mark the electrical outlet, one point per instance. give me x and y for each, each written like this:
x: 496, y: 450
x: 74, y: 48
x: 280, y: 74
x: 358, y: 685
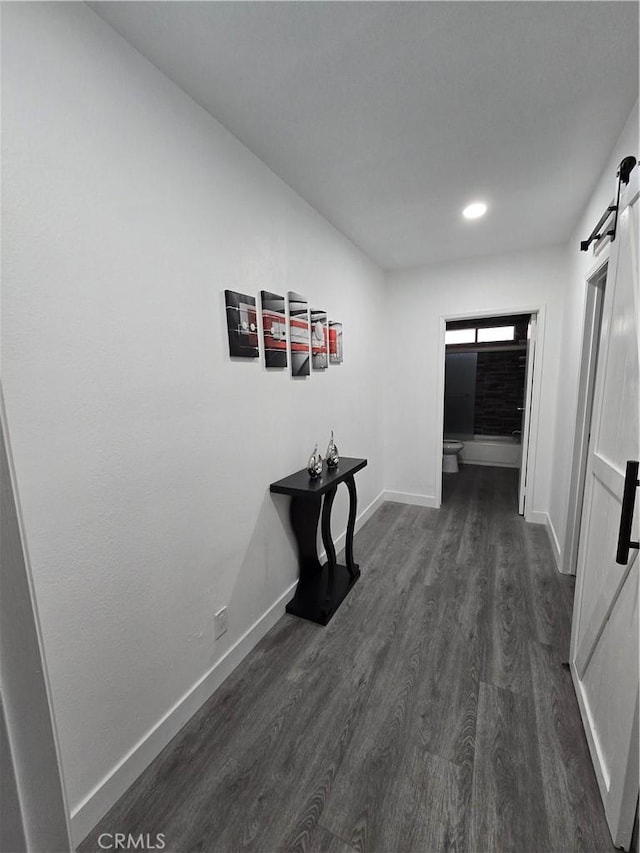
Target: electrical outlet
x: 220, y: 622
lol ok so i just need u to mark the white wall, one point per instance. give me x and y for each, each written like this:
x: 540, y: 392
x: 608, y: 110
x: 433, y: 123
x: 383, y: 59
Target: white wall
x: 143, y: 454
x: 581, y: 266
x: 416, y: 300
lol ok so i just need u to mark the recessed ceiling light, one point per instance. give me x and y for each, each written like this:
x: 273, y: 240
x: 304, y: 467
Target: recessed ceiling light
x: 474, y: 210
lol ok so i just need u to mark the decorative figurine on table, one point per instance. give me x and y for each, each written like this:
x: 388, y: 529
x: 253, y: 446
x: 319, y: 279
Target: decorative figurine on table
x: 332, y: 453
x: 314, y: 466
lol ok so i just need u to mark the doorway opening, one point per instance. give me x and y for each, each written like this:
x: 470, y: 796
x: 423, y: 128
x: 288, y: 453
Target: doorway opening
x: 488, y: 393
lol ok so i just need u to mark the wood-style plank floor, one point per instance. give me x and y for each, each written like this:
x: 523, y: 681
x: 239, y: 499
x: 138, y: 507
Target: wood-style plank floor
x: 431, y: 714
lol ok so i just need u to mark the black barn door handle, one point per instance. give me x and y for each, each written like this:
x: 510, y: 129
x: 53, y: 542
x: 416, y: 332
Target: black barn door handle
x: 626, y: 516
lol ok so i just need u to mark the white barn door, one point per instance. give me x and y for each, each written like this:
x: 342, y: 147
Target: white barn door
x: 604, y: 641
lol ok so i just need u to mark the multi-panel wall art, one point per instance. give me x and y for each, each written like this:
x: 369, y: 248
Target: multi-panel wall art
x: 335, y: 342
x: 319, y: 340
x: 242, y: 324
x: 299, y: 334
x: 274, y: 329
x: 314, y: 341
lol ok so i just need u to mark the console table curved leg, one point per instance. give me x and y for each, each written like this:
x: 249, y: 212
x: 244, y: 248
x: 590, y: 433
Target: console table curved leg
x: 327, y: 541
x: 351, y: 526
x: 304, y: 514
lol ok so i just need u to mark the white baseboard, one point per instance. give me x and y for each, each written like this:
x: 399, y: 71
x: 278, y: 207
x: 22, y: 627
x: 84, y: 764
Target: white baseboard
x: 109, y: 790
x: 555, y: 543
x: 408, y: 498
x: 366, y: 513
x: 536, y: 517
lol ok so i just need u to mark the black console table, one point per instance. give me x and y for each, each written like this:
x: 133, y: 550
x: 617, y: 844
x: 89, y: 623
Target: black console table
x: 321, y: 588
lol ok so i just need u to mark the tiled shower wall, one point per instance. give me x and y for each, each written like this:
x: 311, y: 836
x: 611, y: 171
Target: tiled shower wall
x: 500, y: 378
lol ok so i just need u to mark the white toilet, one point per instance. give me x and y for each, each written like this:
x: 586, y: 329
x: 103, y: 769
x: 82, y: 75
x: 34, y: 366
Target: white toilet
x: 450, y: 450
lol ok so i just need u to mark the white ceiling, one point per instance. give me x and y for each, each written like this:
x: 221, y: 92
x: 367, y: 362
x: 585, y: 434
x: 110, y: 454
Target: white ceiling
x: 388, y: 117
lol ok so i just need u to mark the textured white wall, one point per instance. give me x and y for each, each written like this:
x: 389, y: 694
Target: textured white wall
x: 143, y: 454
x: 581, y: 266
x: 416, y: 299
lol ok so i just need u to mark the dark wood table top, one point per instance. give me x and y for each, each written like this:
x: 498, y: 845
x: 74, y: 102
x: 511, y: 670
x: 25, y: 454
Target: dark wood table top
x: 301, y: 483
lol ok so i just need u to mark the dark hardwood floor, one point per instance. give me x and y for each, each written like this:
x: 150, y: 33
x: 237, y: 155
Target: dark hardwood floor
x: 431, y: 714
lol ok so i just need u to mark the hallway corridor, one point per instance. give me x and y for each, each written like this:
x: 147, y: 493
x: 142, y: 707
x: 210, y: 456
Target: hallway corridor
x: 431, y: 714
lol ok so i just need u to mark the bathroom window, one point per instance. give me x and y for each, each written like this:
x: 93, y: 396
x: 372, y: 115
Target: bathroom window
x: 487, y: 333
x: 496, y: 333
x: 460, y: 336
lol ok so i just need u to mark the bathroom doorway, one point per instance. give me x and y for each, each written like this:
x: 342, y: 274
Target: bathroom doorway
x: 489, y: 364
